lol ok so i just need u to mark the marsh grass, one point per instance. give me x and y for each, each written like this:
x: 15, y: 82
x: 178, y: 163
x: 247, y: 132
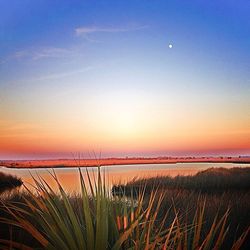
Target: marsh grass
x: 8, y: 182
x: 95, y: 219
x: 212, y: 180
x: 221, y: 188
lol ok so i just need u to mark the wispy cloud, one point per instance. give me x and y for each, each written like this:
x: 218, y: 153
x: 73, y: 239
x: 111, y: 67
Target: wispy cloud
x: 46, y: 77
x: 39, y: 53
x: 85, y: 30
x: 50, y: 52
x: 45, y: 52
x: 62, y: 75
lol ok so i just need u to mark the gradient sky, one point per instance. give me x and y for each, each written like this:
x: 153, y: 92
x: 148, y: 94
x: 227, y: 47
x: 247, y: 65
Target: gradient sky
x: 99, y: 75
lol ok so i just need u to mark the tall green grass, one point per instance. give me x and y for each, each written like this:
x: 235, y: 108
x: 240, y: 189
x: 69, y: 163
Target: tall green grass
x: 96, y: 220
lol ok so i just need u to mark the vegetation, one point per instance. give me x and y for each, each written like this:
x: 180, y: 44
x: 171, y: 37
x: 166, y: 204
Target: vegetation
x: 8, y: 182
x: 212, y: 180
x: 221, y: 188
x: 94, y: 219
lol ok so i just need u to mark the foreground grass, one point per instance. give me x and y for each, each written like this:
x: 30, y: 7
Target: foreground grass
x: 221, y: 188
x: 96, y: 220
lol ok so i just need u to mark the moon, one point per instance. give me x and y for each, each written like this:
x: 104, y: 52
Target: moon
x: 170, y: 46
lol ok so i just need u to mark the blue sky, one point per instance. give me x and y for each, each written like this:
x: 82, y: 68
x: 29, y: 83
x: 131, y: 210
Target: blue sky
x: 61, y: 61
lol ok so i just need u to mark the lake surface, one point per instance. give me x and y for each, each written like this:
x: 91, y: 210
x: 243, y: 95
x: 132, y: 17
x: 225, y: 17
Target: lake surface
x: 69, y: 177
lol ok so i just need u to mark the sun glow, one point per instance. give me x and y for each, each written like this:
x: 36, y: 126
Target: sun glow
x: 121, y: 114
x: 125, y: 121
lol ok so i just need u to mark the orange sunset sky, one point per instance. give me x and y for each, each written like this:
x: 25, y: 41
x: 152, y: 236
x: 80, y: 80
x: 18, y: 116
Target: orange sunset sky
x: 128, y: 79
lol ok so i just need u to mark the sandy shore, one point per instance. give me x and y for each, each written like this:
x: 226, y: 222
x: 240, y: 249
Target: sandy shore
x: 57, y: 163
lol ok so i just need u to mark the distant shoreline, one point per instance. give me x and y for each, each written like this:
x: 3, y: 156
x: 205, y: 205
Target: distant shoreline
x: 62, y: 163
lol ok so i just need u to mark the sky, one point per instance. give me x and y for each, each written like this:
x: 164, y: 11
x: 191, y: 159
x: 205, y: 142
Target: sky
x: 125, y: 78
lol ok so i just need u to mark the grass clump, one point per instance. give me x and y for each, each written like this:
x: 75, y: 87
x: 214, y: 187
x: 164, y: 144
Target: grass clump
x: 8, y: 182
x: 95, y: 219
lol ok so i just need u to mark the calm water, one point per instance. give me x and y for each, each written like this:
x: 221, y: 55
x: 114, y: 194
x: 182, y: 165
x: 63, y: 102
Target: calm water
x: 69, y: 177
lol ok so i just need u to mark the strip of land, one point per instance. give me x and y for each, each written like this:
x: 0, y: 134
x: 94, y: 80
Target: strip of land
x: 61, y: 163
